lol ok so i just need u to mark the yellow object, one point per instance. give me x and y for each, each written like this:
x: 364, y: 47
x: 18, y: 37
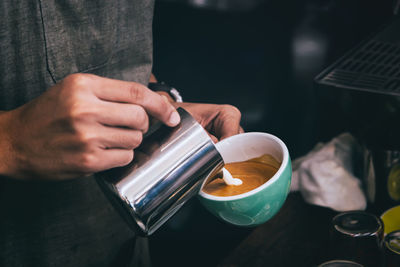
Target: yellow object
x: 391, y: 219
x: 394, y: 182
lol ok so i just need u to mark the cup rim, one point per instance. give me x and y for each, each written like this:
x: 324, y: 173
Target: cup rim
x: 272, y: 180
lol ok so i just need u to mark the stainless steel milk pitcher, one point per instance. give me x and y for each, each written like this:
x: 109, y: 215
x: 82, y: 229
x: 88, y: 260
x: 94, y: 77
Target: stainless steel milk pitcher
x: 167, y: 170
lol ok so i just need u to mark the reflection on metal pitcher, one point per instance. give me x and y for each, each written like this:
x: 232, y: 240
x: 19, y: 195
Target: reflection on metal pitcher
x: 168, y: 169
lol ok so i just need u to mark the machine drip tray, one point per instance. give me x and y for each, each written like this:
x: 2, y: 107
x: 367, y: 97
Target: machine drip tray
x: 372, y: 66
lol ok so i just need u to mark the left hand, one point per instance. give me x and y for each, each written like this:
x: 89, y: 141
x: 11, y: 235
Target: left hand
x: 220, y: 121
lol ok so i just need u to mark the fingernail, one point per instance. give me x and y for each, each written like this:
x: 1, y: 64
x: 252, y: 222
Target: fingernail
x: 174, y: 119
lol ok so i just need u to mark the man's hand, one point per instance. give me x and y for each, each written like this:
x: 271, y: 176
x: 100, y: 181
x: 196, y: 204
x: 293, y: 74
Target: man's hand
x: 80, y: 126
x: 221, y: 121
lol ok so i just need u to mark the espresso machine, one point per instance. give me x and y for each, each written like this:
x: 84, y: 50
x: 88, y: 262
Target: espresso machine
x: 360, y: 93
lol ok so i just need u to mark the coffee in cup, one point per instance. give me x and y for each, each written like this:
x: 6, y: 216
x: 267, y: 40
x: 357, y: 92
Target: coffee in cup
x: 253, y: 173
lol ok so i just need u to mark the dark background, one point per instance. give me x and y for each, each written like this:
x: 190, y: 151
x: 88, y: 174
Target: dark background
x: 261, y: 58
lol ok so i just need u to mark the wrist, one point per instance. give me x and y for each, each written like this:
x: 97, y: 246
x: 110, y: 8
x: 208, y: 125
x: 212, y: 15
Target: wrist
x: 7, y: 162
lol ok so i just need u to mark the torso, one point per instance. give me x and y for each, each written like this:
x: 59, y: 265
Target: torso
x: 67, y: 223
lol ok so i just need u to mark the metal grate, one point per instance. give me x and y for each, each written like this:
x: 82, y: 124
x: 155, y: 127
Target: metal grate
x: 374, y: 67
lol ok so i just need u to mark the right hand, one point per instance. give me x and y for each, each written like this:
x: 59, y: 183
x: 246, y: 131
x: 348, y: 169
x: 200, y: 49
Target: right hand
x: 82, y: 125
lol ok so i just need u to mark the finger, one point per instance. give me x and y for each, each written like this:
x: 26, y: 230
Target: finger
x: 135, y: 93
x: 213, y: 138
x: 241, y: 129
x: 124, y: 115
x: 112, y: 158
x: 228, y: 129
x: 228, y: 121
x: 112, y: 138
x: 227, y: 125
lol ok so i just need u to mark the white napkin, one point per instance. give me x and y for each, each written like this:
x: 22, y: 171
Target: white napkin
x: 325, y: 175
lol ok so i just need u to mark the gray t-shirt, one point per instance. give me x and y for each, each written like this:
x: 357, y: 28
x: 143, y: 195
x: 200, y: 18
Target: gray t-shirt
x: 67, y: 223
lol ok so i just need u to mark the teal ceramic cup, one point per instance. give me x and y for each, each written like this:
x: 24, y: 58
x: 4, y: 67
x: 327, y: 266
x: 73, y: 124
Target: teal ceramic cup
x: 258, y: 205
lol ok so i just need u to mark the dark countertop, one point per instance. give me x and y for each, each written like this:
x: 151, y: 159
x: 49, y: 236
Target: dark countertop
x: 297, y: 235
x: 300, y: 234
